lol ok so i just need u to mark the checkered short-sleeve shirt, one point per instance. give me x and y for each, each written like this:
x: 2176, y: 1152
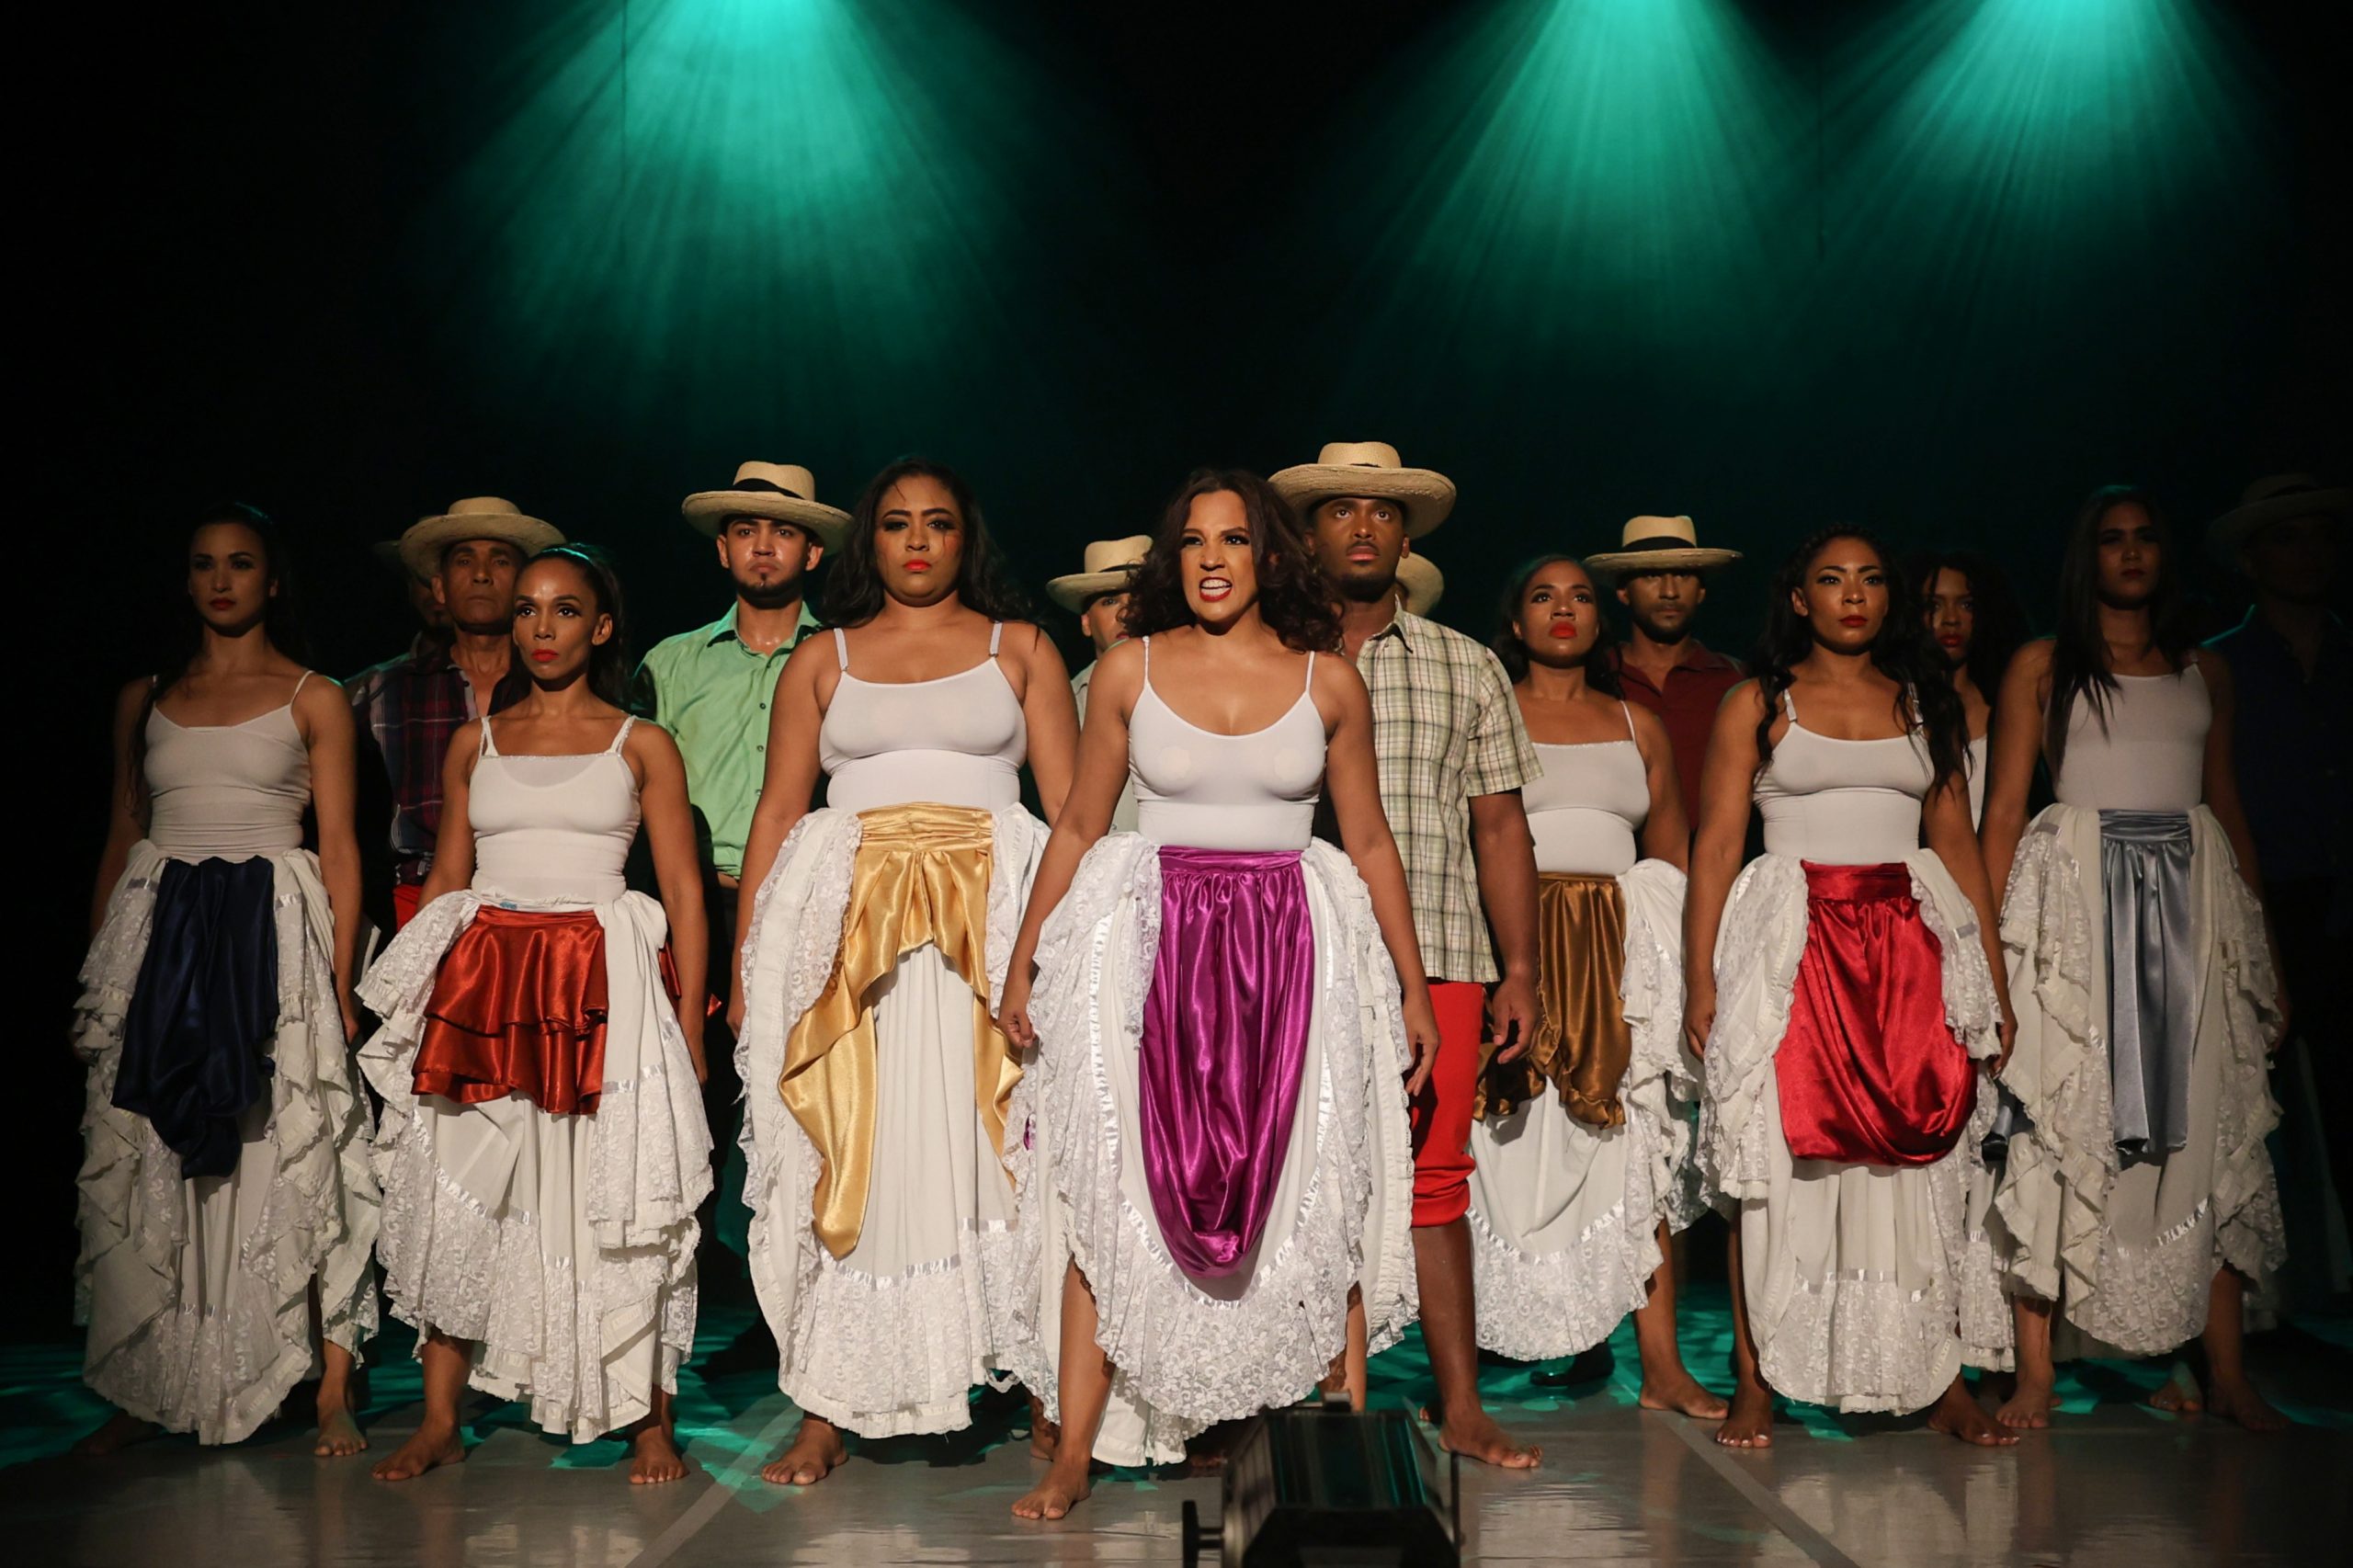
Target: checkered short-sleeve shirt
x: 1444, y: 729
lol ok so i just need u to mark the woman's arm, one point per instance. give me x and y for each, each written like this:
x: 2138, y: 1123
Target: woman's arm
x: 453, y: 842
x: 1665, y: 835
x: 1725, y: 780
x: 2018, y: 741
x: 787, y: 784
x: 127, y: 814
x: 1051, y: 714
x: 324, y: 715
x: 669, y: 824
x: 1944, y: 825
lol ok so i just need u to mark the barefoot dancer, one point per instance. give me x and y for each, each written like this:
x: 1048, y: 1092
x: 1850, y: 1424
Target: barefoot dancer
x: 2142, y: 1202
x: 883, y: 1119
x: 1452, y: 756
x: 1853, y: 983
x: 1583, y: 1152
x: 226, y: 1206
x: 1234, y: 1220
x: 543, y: 1145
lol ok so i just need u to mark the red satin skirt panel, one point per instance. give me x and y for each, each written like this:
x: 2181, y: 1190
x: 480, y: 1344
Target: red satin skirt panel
x: 1869, y: 1071
x: 519, y: 1008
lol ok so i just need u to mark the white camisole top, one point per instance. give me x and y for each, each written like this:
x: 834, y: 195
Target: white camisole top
x: 553, y: 829
x: 956, y: 741
x: 2152, y: 754
x: 1589, y: 804
x: 1843, y: 802
x: 1205, y: 790
x: 229, y: 791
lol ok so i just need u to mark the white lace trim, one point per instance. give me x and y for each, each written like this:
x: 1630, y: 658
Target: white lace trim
x: 1536, y: 1306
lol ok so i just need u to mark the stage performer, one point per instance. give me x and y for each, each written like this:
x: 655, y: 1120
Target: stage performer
x: 1098, y: 595
x: 226, y: 1206
x: 1660, y: 572
x: 882, y: 1122
x: 1452, y: 758
x: 1583, y: 1147
x: 1854, y: 988
x: 1973, y: 620
x: 2140, y: 1203
x: 544, y: 1148
x: 1223, y: 1187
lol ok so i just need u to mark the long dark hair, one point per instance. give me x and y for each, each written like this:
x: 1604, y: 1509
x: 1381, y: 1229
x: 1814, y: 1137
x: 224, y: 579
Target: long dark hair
x: 1294, y: 599
x: 1600, y: 673
x: 281, y: 620
x: 1900, y: 652
x: 2078, y: 652
x: 854, y: 592
x: 2000, y: 626
x: 608, y: 660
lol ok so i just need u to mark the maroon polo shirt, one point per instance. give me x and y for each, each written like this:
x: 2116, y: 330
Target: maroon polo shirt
x: 1694, y: 688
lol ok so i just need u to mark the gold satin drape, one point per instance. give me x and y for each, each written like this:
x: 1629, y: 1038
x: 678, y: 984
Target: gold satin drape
x: 921, y: 875
x: 1583, y: 1047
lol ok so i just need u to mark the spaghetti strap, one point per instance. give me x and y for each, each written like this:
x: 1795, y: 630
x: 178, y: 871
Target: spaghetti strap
x: 1146, y: 641
x: 996, y: 634
x: 841, y: 649
x: 298, y: 687
x: 1311, y: 673
x: 1629, y: 714
x: 621, y: 734
x: 489, y: 746
x: 1790, y: 703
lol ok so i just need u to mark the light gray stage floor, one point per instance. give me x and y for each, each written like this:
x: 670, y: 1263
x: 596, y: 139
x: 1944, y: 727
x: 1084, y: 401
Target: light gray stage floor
x: 2116, y: 1483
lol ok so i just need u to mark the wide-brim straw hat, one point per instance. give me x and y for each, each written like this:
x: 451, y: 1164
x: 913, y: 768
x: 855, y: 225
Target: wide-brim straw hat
x: 476, y: 516
x: 1109, y: 566
x: 1660, y: 544
x: 2273, y: 500
x: 1423, y: 583
x: 786, y: 492
x: 1370, y: 469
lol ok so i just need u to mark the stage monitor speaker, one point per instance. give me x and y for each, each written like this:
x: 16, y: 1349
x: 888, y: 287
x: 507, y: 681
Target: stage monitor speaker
x: 1320, y: 1487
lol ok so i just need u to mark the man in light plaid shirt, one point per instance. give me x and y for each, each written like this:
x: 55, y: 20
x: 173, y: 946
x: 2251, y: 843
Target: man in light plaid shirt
x: 1453, y: 755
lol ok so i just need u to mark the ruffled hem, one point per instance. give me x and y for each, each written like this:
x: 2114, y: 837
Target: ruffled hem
x: 1536, y: 1306
x: 153, y: 1351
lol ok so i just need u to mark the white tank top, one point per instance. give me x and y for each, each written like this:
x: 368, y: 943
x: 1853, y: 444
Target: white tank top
x: 553, y: 829
x: 1589, y: 803
x: 2152, y: 754
x: 1978, y: 761
x: 227, y: 790
x: 957, y: 741
x: 1205, y: 790
x: 1843, y: 802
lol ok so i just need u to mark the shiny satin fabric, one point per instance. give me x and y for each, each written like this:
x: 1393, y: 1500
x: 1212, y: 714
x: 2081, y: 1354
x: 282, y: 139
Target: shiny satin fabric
x: 1582, y: 1046
x: 1223, y: 1048
x: 205, y: 1004
x: 519, y: 1008
x: 2144, y: 868
x: 921, y: 876
x: 1869, y: 1071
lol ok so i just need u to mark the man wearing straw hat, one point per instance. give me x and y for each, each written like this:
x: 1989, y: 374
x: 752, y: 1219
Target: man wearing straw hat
x: 409, y: 708
x: 1098, y: 595
x: 1452, y: 756
x: 1660, y: 571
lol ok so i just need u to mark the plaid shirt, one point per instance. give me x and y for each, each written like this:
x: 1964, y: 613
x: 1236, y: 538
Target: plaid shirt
x: 1444, y: 729
x: 408, y: 710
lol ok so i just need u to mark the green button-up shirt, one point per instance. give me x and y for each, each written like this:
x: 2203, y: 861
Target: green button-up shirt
x: 711, y: 694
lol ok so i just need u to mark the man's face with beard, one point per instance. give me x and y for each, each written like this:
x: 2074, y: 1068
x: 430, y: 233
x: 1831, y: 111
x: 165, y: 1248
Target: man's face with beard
x: 1661, y: 604
x: 766, y: 559
x: 1358, y: 541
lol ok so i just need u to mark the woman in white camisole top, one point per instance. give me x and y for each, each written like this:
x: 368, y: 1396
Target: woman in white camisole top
x: 2141, y: 1202
x: 1845, y: 993
x: 1226, y: 1011
x: 1966, y: 603
x: 885, y: 1113
x: 1582, y: 1148
x: 225, y: 1235
x: 543, y: 1147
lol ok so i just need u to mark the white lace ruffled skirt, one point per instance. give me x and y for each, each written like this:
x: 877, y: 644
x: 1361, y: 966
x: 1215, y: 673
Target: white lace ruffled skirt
x: 2129, y: 1252
x: 892, y: 1337
x: 1564, y: 1215
x: 198, y: 1292
x: 1186, y: 1353
x: 1868, y: 1287
x: 561, y: 1247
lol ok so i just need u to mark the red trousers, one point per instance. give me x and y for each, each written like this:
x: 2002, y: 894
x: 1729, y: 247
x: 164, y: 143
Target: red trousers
x: 1441, y: 1112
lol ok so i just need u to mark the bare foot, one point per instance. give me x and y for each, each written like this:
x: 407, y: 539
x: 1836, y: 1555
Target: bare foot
x: 339, y: 1433
x: 1044, y: 1433
x: 2030, y: 1406
x: 2235, y: 1400
x: 121, y: 1430
x: 1680, y: 1392
x: 2179, y: 1393
x: 1957, y: 1413
x: 654, y: 1455
x: 815, y: 1452
x: 1477, y: 1437
x: 1748, y: 1424
x: 431, y: 1446
x: 1064, y: 1488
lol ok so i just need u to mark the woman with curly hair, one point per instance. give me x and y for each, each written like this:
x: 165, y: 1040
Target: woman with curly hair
x: 886, y: 1113
x: 1973, y: 622
x: 1842, y: 994
x: 1225, y: 1009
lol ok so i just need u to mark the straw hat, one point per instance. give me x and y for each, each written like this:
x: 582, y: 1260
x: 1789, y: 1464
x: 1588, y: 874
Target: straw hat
x: 1659, y: 544
x: 1372, y: 468
x: 786, y: 492
x: 1422, y: 582
x: 477, y: 516
x: 1109, y: 564
x: 2268, y: 501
